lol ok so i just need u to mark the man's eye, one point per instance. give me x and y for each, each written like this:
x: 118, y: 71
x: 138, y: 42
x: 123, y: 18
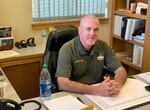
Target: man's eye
x: 88, y: 29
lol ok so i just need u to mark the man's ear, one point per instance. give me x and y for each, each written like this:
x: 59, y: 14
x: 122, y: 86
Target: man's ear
x: 79, y: 28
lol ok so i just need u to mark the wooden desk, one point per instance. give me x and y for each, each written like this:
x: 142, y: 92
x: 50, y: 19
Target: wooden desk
x: 11, y: 94
x: 23, y: 70
x: 60, y: 94
x: 84, y: 99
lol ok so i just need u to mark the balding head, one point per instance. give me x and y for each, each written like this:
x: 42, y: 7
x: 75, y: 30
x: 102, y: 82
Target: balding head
x: 88, y: 31
x: 89, y: 18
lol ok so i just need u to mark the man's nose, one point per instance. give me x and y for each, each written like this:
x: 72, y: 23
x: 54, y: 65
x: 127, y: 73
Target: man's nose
x: 92, y: 32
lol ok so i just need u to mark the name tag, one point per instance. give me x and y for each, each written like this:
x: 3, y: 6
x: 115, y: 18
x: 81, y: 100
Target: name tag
x: 79, y: 61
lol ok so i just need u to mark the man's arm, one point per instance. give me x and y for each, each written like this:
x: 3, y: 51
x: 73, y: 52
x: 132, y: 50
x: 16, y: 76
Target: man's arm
x: 118, y: 81
x: 120, y: 75
x: 102, y: 89
x: 73, y: 86
x: 106, y: 88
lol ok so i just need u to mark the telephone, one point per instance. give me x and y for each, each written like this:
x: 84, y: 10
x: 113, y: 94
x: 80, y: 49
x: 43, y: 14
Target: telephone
x: 23, y: 43
x: 30, y: 42
x: 8, y: 104
x: 147, y: 88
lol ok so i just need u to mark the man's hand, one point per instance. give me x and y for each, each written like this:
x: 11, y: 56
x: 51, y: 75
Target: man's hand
x: 108, y: 87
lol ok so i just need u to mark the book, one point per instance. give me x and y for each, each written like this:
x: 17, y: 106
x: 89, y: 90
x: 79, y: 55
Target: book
x: 133, y: 28
x: 137, y: 55
x: 124, y: 26
x: 145, y: 76
x: 127, y: 4
x: 128, y: 29
x: 118, y: 24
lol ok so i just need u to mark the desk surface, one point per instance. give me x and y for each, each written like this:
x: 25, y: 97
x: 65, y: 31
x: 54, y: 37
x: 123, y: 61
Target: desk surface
x: 84, y: 99
x: 38, y: 50
x: 60, y: 94
x: 11, y: 94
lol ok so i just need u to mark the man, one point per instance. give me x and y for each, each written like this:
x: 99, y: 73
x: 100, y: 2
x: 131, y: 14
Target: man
x: 81, y: 62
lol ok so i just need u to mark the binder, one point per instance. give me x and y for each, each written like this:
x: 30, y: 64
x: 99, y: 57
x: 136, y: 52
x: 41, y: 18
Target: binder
x: 118, y: 22
x: 139, y: 27
x: 137, y: 55
x: 128, y: 29
x: 123, y: 29
x: 132, y: 27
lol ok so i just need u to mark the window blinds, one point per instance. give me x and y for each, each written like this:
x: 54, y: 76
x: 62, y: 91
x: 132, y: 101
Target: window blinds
x: 52, y: 10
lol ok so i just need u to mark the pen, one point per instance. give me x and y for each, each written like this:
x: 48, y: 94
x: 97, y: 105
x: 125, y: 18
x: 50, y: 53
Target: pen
x: 80, y: 100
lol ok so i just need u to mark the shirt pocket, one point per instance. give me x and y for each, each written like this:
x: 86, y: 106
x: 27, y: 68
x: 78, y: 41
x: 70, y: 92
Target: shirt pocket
x: 79, y: 67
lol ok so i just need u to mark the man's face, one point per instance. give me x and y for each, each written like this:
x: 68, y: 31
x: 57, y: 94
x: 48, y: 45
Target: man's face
x: 88, y: 33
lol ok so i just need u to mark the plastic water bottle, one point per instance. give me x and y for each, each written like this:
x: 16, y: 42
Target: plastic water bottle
x: 45, y: 84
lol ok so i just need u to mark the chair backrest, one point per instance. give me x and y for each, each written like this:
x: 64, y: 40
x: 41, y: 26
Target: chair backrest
x: 54, y: 42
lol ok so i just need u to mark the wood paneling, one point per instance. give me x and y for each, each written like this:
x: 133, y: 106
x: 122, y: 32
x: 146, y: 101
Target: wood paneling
x: 24, y: 75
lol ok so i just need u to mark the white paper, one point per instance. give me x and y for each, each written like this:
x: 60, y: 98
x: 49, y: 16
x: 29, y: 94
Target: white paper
x: 8, y: 53
x: 132, y: 91
x: 145, y: 76
x: 64, y: 103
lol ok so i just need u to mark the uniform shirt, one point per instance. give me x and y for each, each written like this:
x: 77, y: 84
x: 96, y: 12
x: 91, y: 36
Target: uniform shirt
x: 75, y: 63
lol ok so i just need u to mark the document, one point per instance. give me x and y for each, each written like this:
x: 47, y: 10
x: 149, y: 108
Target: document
x: 64, y: 103
x: 132, y: 93
x: 145, y: 76
x: 137, y: 55
x: 8, y: 53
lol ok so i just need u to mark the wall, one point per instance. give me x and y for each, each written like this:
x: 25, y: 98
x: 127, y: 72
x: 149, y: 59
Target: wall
x: 18, y: 14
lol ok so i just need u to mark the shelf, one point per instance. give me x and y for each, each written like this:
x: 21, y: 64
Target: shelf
x: 128, y: 41
x: 126, y: 58
x: 127, y: 46
x: 133, y: 15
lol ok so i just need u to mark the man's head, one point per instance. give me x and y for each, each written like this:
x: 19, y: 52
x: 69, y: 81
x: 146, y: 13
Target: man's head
x: 88, y: 31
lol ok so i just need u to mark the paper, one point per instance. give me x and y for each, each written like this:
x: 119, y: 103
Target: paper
x: 145, y: 76
x: 64, y: 103
x: 133, y: 90
x: 8, y: 53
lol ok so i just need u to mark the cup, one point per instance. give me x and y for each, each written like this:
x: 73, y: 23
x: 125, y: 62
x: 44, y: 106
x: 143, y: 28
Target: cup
x: 3, y: 86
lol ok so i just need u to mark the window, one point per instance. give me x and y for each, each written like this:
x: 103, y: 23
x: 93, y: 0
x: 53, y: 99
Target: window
x: 52, y: 10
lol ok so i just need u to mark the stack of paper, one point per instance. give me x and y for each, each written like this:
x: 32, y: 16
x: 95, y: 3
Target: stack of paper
x: 132, y: 93
x: 64, y: 103
x: 8, y: 53
x: 145, y: 76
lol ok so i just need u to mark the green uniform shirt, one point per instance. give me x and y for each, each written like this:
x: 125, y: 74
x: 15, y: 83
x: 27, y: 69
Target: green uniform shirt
x: 85, y: 67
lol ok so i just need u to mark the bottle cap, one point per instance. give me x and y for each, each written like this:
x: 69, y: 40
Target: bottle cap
x: 44, y: 66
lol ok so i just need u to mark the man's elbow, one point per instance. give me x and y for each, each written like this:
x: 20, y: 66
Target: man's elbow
x: 61, y: 83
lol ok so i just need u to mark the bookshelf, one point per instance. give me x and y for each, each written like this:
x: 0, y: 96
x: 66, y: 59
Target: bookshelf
x: 124, y: 49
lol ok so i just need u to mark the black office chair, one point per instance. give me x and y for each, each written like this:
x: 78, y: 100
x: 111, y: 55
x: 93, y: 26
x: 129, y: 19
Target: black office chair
x: 55, y: 40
